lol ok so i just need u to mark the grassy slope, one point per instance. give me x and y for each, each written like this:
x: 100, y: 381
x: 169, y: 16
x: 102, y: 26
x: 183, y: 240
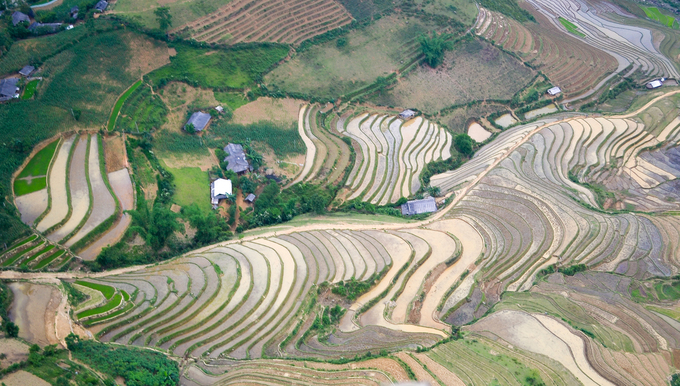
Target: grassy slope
x: 192, y: 187
x: 655, y: 14
x: 119, y: 104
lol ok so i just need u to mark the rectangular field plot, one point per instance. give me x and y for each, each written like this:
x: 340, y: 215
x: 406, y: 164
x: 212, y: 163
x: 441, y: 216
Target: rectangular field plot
x: 33, y: 177
x: 193, y: 187
x: 328, y: 71
x: 474, y: 70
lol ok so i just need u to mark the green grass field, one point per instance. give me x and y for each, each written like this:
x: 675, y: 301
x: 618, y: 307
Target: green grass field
x: 106, y: 290
x: 119, y: 104
x: 192, y: 187
x: 326, y: 71
x: 113, y: 303
x: 655, y: 14
x: 22, y: 187
x: 29, y: 90
x: 40, y: 163
x: 571, y: 27
x: 182, y: 12
x: 235, y: 68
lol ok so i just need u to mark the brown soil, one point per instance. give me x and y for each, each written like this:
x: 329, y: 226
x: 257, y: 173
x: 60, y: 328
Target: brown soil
x: 418, y: 370
x: 114, y: 153
x: 282, y: 111
x: 33, y: 311
x: 14, y: 350
x: 414, y: 315
x: 205, y: 162
x: 23, y: 378
x: 287, y: 167
x: 147, y: 55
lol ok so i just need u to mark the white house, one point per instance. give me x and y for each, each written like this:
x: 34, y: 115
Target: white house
x: 219, y: 189
x: 554, y: 91
x: 656, y: 83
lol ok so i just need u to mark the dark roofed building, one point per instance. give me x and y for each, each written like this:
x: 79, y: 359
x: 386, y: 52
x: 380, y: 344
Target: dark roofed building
x: 27, y: 71
x: 18, y: 17
x: 74, y: 12
x: 8, y: 88
x: 236, y: 158
x: 426, y: 205
x: 101, y: 5
x: 52, y: 27
x: 250, y: 198
x: 199, y: 119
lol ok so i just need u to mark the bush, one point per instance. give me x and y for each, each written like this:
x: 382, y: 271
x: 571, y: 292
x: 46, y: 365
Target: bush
x: 434, y: 47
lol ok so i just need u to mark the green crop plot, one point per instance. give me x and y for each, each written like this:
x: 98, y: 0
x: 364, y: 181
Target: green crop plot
x: 47, y: 260
x: 29, y: 91
x: 571, y: 27
x: 142, y: 111
x: 655, y: 14
x: 113, y: 303
x: 119, y: 104
x: 18, y: 255
x: 106, y: 290
x: 40, y: 163
x: 38, y: 254
x: 22, y: 187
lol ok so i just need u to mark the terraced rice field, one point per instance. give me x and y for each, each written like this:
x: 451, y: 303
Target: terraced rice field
x: 279, y: 21
x: 393, y: 155
x: 628, y: 44
x: 531, y: 213
x: 252, y: 302
x: 78, y: 200
x: 569, y: 63
x: 327, y: 154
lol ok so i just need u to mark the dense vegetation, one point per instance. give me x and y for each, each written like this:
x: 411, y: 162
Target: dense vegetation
x: 434, y: 46
x: 137, y: 367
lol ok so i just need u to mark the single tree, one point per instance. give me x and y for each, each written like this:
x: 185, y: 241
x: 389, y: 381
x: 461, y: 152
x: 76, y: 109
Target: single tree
x: 163, y: 17
x: 11, y: 329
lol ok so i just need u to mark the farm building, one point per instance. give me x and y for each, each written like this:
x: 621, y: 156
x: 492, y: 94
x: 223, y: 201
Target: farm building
x: 250, y: 198
x: 407, y: 114
x: 219, y: 109
x: 199, y: 119
x: 236, y: 158
x: 27, y: 71
x: 219, y: 189
x: 426, y: 205
x: 74, y: 12
x: 8, y: 89
x: 656, y: 83
x: 101, y: 5
x: 554, y: 91
x: 18, y: 17
x: 51, y: 27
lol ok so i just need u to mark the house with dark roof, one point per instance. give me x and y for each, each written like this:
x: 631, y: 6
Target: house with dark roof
x: 101, y: 5
x: 199, y: 119
x: 236, y: 158
x: 27, y: 71
x: 250, y: 198
x: 74, y: 12
x: 8, y: 89
x: 49, y: 27
x: 18, y: 17
x: 426, y: 205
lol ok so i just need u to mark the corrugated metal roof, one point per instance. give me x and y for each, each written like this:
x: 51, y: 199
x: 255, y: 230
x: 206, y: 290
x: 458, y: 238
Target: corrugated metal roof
x: 199, y: 119
x: 426, y: 205
x: 27, y: 70
x: 250, y: 198
x: 236, y: 158
x: 8, y: 87
x: 101, y: 5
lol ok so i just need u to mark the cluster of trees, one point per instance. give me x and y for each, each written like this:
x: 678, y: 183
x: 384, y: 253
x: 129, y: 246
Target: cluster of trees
x: 464, y: 144
x: 434, y: 46
x: 137, y: 367
x: 11, y: 329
